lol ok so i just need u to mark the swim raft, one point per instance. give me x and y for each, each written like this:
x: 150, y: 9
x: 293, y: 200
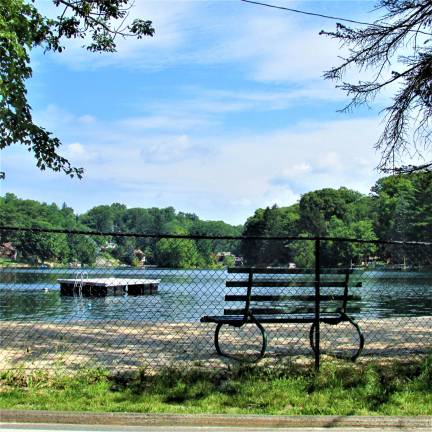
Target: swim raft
x: 101, y: 287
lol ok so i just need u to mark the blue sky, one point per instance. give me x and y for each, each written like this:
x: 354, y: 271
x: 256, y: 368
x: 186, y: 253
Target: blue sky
x: 223, y: 111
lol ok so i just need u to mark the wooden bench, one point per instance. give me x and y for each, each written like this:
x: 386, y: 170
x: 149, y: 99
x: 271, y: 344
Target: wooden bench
x: 284, y: 295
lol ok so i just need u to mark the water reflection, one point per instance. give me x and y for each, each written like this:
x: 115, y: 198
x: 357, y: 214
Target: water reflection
x: 185, y: 295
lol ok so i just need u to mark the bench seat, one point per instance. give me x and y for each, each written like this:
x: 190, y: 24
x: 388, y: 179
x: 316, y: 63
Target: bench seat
x: 329, y: 318
x: 260, y: 296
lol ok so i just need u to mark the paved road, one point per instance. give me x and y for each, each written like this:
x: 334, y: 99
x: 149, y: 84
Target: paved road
x: 28, y: 427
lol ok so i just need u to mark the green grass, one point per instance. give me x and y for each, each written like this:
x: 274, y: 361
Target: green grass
x: 340, y: 388
x: 7, y: 262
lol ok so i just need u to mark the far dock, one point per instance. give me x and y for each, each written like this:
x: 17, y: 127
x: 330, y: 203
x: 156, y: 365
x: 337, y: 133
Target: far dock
x: 102, y: 287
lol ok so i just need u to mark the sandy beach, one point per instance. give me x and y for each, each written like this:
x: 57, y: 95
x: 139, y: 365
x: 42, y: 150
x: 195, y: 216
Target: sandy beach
x: 136, y: 344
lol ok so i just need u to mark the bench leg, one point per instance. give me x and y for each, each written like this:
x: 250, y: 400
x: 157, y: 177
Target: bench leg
x: 354, y: 324
x: 254, y: 359
x: 361, y: 337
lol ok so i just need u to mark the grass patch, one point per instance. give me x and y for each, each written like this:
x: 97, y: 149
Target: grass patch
x: 340, y: 388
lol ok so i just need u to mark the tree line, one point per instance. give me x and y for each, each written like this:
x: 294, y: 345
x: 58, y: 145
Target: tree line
x: 397, y: 208
x: 40, y: 247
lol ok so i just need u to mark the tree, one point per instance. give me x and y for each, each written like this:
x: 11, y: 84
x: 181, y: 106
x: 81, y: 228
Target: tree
x: 99, y: 218
x: 422, y: 209
x: 177, y: 253
x: 319, y: 206
x: 303, y: 252
x: 23, y: 28
x: 42, y: 246
x: 403, y: 207
x: 270, y: 222
x: 346, y: 253
x: 83, y: 249
x: 397, y: 49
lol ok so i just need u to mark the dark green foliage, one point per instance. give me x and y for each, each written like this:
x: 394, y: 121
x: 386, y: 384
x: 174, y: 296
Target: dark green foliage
x: 165, y: 252
x: 41, y: 247
x: 318, y: 207
x: 272, y: 221
x: 399, y: 208
x: 83, y: 249
x: 403, y: 207
x: 175, y: 253
x: 61, y: 248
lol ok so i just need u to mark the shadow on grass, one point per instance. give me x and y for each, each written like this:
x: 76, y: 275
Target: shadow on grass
x: 339, y: 388
x: 250, y: 387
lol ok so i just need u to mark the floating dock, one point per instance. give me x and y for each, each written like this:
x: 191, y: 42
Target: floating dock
x: 102, y: 287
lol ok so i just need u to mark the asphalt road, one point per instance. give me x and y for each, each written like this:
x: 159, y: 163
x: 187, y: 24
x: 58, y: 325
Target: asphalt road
x: 29, y: 427
x: 49, y: 421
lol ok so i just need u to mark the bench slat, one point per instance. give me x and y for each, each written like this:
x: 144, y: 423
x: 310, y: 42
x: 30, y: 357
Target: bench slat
x: 280, y: 270
x: 294, y: 318
x: 264, y: 298
x: 325, y: 297
x: 290, y: 283
x: 297, y: 307
x: 269, y: 283
x: 280, y: 311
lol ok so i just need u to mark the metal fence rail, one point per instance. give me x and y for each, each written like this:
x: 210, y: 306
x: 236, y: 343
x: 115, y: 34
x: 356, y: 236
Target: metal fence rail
x: 146, y: 313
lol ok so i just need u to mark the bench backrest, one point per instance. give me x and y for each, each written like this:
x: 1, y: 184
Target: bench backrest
x: 284, y: 291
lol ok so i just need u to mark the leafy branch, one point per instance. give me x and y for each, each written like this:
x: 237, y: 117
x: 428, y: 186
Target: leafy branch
x: 22, y: 28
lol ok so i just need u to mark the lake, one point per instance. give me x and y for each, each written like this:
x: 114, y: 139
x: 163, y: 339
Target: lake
x: 33, y: 294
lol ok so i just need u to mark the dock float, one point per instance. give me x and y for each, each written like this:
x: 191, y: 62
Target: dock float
x: 102, y: 287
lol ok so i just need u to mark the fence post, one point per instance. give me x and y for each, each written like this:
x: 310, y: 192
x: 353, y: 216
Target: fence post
x: 317, y: 300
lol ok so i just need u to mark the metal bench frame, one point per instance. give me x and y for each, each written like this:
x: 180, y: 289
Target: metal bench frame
x: 258, y: 317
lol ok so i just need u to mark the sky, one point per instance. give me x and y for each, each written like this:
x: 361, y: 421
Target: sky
x: 222, y: 112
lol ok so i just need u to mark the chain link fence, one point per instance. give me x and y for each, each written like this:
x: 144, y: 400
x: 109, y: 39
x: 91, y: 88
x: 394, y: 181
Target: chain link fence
x: 126, y: 301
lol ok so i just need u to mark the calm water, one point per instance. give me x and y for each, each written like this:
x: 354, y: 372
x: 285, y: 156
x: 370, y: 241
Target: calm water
x: 185, y: 295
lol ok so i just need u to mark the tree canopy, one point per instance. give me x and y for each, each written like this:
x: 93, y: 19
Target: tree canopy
x: 22, y: 27
x: 85, y: 249
x: 398, y: 208
x: 397, y: 50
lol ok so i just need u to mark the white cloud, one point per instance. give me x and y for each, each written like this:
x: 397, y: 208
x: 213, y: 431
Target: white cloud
x: 270, y: 46
x: 86, y: 119
x: 280, y: 196
x: 77, y: 153
x: 168, y: 120
x: 215, y: 101
x: 343, y: 158
x: 293, y: 172
x: 53, y: 117
x: 218, y: 176
x: 273, y: 46
x: 279, y: 49
x: 330, y: 161
x: 75, y: 149
x: 172, y: 150
x: 241, y: 202
x: 185, y: 149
